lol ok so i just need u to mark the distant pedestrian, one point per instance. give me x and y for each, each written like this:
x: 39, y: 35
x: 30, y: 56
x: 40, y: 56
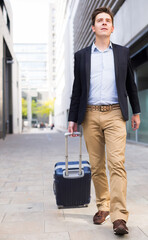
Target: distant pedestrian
x: 103, y: 78
x: 52, y: 126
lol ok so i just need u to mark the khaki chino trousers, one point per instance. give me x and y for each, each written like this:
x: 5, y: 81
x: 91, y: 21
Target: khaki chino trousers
x: 107, y: 129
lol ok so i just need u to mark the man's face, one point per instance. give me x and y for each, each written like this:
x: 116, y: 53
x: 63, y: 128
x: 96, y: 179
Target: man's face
x: 103, y: 25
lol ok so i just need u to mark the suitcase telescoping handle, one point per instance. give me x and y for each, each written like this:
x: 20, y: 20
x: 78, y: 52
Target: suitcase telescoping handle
x: 66, y: 152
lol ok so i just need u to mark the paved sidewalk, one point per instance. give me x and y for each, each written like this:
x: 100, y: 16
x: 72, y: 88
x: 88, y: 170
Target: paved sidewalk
x: 27, y: 204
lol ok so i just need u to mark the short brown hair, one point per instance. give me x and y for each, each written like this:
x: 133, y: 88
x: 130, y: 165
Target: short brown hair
x: 101, y: 10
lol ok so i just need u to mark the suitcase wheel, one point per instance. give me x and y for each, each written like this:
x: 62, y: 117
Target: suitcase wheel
x: 54, y: 188
x: 59, y: 207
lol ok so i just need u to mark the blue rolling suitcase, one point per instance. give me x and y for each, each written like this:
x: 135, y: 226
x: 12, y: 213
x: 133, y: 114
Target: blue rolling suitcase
x: 72, y: 180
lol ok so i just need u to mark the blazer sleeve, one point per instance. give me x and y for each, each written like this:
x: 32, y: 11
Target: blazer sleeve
x: 132, y: 88
x: 76, y: 92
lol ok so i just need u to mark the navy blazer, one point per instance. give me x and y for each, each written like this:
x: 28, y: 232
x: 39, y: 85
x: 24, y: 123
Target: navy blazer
x: 124, y: 81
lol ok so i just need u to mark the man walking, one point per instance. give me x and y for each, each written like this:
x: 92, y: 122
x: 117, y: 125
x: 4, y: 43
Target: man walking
x: 103, y: 78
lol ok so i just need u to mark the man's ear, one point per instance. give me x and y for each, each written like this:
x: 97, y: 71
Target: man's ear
x: 112, y: 29
x: 93, y: 28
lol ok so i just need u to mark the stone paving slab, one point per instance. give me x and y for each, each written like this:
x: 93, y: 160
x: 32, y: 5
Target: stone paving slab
x: 22, y: 227
x: 105, y: 233
x: 28, y: 209
x: 48, y: 236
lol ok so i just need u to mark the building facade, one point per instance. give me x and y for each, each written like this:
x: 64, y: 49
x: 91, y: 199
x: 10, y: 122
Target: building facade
x: 65, y: 12
x: 131, y: 30
x: 33, y: 63
x: 10, y: 106
x: 52, y: 55
x: 52, y: 48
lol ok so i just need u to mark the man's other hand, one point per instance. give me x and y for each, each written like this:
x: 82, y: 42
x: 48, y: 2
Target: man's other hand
x: 72, y: 127
x: 135, y: 122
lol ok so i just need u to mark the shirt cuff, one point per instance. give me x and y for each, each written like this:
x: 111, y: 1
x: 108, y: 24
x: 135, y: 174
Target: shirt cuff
x: 136, y: 114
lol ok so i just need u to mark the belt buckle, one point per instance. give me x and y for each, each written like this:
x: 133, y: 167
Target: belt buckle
x: 102, y: 108
x: 105, y: 108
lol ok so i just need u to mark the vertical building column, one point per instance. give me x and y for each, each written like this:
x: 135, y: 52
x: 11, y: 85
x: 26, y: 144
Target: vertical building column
x: 29, y: 110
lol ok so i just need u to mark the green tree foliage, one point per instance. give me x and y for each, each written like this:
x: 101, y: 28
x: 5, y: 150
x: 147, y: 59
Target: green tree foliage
x: 37, y: 108
x: 34, y: 107
x: 46, y: 108
x: 24, y: 108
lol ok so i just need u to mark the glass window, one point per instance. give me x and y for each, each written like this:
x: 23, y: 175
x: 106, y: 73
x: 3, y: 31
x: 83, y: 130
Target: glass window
x: 142, y: 82
x: 140, y: 65
x: 24, y: 48
x: 33, y: 65
x: 31, y: 57
x: 34, y: 75
x: 1, y: 4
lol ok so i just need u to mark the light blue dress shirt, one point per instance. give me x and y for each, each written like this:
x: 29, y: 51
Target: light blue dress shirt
x: 103, y: 90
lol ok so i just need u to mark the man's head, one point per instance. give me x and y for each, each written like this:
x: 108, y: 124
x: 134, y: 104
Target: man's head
x: 102, y: 22
x: 101, y: 10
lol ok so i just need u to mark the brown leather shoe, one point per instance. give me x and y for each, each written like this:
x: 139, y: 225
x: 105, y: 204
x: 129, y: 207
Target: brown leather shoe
x: 100, y: 217
x: 119, y: 227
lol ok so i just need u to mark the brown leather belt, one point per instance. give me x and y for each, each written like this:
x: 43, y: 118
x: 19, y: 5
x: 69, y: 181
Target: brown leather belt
x: 103, y: 108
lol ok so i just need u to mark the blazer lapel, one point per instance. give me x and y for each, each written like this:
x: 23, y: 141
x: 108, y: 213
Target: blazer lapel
x: 88, y: 67
x: 116, y: 62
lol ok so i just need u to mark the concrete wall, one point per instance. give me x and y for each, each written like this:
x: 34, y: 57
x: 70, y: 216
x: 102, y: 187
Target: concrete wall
x: 17, y: 99
x: 4, y: 34
x: 7, y: 36
x: 131, y: 18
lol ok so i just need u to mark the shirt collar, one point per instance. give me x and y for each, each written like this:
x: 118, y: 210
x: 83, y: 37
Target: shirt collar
x: 94, y: 48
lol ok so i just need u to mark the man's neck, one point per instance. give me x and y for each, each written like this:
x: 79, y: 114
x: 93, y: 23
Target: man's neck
x: 102, y: 44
